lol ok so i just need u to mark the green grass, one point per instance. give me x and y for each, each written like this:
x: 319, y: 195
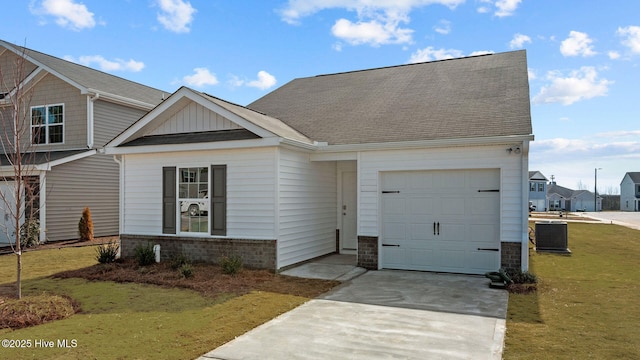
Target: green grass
x: 129, y: 320
x: 586, y: 306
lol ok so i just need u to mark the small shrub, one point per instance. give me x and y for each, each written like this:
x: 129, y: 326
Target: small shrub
x: 85, y: 225
x: 186, y: 270
x: 30, y: 233
x: 522, y: 277
x: 107, y: 253
x: 178, y: 261
x: 144, y: 255
x: 231, y: 265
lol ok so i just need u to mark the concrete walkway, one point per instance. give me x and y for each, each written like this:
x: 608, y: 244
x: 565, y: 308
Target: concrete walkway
x: 384, y: 315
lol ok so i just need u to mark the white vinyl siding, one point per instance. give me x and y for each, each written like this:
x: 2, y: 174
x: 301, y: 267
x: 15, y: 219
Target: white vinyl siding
x: 251, y: 183
x: 307, y: 208
x: 371, y: 163
x: 92, y: 182
x: 111, y: 119
x: 194, y: 118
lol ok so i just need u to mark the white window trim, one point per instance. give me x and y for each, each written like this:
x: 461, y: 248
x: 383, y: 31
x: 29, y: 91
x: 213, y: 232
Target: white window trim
x: 180, y: 199
x: 45, y: 125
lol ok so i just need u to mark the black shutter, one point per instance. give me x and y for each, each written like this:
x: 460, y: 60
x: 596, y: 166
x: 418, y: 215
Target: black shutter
x: 218, y: 199
x: 169, y: 200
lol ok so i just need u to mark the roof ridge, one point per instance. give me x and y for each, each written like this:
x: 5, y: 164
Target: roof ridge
x: 418, y: 63
x: 22, y: 50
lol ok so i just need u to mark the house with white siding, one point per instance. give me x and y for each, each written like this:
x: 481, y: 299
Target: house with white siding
x: 421, y: 166
x: 71, y: 112
x: 630, y: 192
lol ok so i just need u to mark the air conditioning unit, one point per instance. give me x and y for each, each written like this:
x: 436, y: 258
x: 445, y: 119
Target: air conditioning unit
x: 551, y: 236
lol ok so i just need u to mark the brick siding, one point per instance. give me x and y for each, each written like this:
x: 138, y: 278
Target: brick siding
x: 257, y: 254
x: 368, y: 252
x: 511, y: 256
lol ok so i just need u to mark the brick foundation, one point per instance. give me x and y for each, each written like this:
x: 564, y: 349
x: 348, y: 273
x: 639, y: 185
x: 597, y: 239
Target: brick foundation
x: 511, y: 256
x: 258, y: 254
x: 368, y: 252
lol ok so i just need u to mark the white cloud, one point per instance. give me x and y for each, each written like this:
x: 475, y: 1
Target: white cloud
x: 580, y: 85
x: 176, y: 15
x: 482, y: 52
x: 503, y: 7
x: 531, y: 74
x: 506, y: 7
x: 108, y: 65
x: 68, y: 13
x: 430, y: 54
x: 201, y: 77
x: 264, y: 81
x: 631, y: 37
x: 378, y: 22
x: 443, y: 27
x: 518, y: 41
x: 577, y: 44
x: 372, y: 32
x: 613, y: 55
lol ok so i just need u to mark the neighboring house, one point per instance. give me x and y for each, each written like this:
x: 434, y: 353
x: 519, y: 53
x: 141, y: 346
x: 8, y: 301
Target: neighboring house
x: 72, y: 111
x: 565, y: 199
x: 421, y: 166
x: 630, y: 192
x: 538, y: 190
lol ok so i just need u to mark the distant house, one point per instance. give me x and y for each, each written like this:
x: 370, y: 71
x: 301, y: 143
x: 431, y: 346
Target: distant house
x: 538, y: 190
x: 416, y: 167
x: 630, y: 192
x: 72, y: 111
x: 565, y: 199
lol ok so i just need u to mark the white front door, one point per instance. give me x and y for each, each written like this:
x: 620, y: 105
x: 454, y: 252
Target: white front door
x: 349, y: 208
x: 7, y: 207
x: 441, y: 220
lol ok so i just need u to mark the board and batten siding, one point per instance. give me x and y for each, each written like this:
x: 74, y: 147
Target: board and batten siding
x: 92, y: 182
x: 251, y: 189
x: 110, y: 119
x: 192, y: 118
x: 473, y: 157
x: 307, y: 207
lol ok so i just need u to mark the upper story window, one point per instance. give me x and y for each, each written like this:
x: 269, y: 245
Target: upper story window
x: 540, y: 186
x: 47, y: 124
x: 532, y: 186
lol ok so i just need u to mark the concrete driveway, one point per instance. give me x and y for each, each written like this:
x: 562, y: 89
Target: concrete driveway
x: 628, y: 219
x: 385, y: 315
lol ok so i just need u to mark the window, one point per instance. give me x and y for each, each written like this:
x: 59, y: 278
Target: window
x: 193, y: 188
x: 541, y: 187
x: 199, y: 204
x: 532, y: 186
x: 47, y: 124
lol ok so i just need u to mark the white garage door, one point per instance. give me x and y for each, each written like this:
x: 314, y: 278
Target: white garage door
x: 444, y: 221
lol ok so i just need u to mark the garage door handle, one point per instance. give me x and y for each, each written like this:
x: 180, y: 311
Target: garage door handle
x: 436, y: 228
x: 488, y: 249
x: 396, y: 245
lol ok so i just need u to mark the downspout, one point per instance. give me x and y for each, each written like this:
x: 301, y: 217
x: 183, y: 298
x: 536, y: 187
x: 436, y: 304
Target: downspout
x: 524, y: 253
x: 90, y: 118
x: 120, y: 163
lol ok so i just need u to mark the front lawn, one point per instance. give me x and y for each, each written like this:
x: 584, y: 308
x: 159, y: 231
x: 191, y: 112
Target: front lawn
x: 586, y: 305
x: 131, y: 320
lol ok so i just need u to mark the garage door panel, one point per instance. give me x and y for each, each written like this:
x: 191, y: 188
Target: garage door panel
x: 468, y: 219
x: 421, y: 232
x: 421, y: 205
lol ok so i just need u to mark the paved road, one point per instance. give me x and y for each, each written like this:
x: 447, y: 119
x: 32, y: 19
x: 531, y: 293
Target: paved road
x: 628, y: 219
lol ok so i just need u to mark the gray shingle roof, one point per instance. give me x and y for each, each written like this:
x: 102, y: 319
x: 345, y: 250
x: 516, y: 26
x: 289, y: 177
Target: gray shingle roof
x: 479, y: 96
x: 38, y: 158
x: 635, y: 177
x: 93, y: 79
x: 191, y: 138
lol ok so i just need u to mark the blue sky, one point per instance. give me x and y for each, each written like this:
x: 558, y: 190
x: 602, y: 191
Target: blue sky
x: 583, y: 56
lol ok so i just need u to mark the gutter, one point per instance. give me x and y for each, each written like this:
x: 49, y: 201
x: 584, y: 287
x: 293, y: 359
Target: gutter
x: 118, y: 99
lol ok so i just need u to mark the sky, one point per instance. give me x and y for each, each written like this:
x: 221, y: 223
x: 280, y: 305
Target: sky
x: 583, y: 56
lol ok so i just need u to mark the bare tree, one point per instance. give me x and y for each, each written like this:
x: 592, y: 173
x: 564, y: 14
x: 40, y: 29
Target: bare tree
x: 581, y: 186
x: 20, y: 198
